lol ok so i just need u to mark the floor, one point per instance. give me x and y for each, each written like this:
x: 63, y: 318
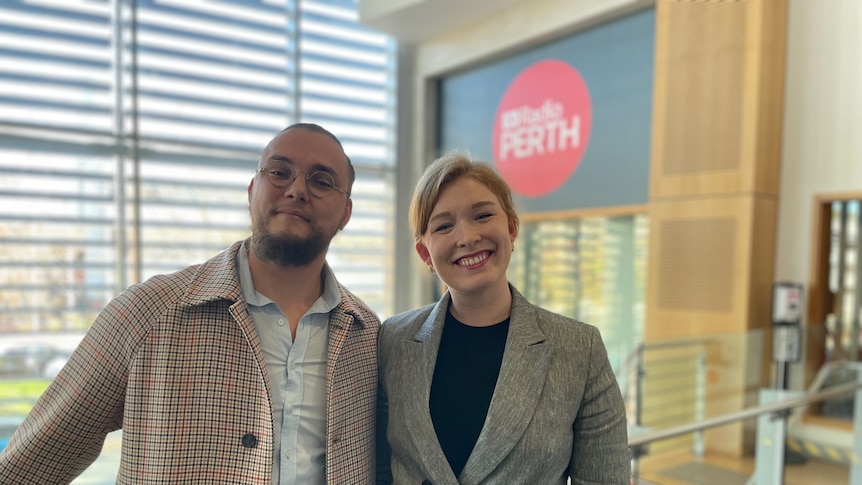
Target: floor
x: 683, y: 468
x: 675, y: 467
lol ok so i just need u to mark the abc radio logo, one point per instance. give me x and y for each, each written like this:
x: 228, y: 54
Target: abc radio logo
x: 541, y: 128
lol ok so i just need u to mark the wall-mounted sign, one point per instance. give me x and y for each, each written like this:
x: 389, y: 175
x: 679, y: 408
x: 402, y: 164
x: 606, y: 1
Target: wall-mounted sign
x: 542, y: 127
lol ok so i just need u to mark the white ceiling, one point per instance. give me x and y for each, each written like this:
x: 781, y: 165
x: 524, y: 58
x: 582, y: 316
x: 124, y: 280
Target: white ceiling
x: 419, y: 20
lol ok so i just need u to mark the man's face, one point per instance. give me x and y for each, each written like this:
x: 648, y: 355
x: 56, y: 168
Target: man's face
x: 291, y: 226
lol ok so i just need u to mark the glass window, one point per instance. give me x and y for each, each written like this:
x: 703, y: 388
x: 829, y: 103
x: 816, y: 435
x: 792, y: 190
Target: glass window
x: 592, y: 269
x: 129, y: 132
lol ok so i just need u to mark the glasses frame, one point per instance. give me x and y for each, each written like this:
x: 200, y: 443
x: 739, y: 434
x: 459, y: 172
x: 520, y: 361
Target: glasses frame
x: 268, y: 174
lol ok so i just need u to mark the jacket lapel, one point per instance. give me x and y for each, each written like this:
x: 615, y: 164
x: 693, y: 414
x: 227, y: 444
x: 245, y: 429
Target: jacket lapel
x: 218, y: 279
x: 522, y: 376
x: 422, y: 356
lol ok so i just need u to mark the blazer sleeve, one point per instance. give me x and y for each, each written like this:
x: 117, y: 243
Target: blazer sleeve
x: 600, y: 454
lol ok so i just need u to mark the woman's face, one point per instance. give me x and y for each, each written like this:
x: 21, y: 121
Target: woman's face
x: 469, y: 238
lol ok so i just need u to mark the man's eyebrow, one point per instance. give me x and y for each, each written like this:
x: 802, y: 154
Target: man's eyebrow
x: 280, y: 158
x: 317, y: 167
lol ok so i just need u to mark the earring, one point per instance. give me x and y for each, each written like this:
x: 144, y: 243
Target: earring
x: 431, y: 268
x: 513, y: 246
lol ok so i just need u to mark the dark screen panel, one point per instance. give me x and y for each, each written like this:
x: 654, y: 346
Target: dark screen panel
x: 615, y: 60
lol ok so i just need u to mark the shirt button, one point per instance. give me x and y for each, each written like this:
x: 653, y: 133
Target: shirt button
x: 281, y: 321
x: 249, y: 440
x: 287, y: 454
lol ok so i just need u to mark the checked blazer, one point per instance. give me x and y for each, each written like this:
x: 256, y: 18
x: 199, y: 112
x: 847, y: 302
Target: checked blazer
x: 176, y: 363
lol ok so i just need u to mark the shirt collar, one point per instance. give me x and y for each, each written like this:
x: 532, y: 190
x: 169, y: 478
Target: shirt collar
x: 329, y: 299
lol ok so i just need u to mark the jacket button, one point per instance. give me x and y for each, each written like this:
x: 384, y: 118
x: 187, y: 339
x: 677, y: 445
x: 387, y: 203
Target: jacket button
x: 427, y: 482
x: 249, y: 440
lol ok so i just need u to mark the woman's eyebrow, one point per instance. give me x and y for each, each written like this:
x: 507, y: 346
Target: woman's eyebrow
x: 481, y: 203
x: 441, y: 215
x: 477, y: 205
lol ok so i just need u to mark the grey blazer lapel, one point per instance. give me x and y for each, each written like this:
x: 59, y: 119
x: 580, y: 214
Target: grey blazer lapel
x: 519, y: 386
x: 422, y: 350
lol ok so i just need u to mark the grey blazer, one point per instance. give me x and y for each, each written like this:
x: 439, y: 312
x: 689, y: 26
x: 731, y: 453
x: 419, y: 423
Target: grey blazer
x: 556, y: 412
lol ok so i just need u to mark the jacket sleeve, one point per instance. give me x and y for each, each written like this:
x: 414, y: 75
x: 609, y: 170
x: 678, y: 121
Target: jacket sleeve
x: 64, y: 432
x: 600, y: 454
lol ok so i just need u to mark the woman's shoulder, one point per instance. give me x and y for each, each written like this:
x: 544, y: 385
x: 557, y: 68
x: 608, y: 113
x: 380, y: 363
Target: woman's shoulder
x: 555, y: 322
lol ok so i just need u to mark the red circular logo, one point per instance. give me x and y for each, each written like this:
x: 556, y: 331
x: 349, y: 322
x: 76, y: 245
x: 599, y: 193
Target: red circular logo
x: 542, y: 127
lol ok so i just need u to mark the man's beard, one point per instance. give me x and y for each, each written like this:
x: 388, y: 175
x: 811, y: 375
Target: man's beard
x: 287, y: 250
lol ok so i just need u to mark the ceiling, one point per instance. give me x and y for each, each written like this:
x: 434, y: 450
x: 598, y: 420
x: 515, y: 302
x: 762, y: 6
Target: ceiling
x: 419, y: 20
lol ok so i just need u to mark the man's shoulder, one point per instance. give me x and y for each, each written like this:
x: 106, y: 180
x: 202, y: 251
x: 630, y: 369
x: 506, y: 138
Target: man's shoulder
x: 354, y: 304
x: 170, y: 288
x: 164, y: 289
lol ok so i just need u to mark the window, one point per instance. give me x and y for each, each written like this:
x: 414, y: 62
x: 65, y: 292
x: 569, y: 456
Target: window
x: 129, y: 137
x: 592, y: 269
x: 835, y: 298
x: 129, y: 132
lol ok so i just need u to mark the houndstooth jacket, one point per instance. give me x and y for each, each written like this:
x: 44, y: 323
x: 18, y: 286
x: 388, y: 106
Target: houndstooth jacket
x: 176, y: 363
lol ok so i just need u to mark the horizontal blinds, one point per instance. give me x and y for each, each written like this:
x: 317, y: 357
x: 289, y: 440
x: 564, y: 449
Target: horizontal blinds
x: 346, y: 82
x: 58, y: 164
x: 213, y: 74
x: 129, y: 138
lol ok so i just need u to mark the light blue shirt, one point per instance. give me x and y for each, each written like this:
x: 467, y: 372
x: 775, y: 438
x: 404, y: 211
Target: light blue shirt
x: 297, y: 374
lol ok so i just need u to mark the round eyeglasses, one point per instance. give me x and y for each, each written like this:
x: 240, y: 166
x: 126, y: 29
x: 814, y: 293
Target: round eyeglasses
x: 319, y: 183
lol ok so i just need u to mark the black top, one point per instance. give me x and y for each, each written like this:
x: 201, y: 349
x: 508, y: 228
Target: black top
x: 468, y: 363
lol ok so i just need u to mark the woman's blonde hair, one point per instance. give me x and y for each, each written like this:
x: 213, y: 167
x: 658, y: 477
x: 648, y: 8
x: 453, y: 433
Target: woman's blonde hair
x: 447, y: 169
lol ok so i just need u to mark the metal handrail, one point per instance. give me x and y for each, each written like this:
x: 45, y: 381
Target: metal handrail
x: 824, y: 373
x: 643, y: 439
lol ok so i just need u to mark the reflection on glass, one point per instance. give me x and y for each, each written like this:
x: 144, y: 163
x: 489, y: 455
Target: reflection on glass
x: 591, y: 269
x: 842, y: 326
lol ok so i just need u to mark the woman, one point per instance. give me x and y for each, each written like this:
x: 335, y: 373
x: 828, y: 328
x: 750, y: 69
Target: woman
x: 484, y: 387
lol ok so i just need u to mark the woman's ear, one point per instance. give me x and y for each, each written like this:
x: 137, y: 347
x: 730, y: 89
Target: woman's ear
x: 423, y: 253
x: 513, y: 230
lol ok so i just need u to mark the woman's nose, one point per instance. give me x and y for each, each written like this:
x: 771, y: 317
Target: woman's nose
x: 468, y: 236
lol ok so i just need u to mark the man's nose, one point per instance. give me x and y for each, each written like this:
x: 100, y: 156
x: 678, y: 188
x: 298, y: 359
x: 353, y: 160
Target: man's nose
x: 298, y: 187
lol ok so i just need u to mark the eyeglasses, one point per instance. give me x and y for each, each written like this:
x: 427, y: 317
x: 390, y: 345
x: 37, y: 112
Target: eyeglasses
x: 319, y: 183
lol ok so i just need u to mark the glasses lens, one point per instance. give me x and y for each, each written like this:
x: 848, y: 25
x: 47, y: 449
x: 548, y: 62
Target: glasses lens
x: 321, y: 184
x: 280, y: 176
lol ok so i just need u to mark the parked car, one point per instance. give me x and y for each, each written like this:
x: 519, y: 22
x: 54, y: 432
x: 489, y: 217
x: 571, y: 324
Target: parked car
x: 28, y: 361
x: 53, y: 366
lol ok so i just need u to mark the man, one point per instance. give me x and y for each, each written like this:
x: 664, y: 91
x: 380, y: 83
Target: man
x: 255, y: 367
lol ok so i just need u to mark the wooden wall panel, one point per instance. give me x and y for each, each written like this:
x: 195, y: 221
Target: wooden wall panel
x: 699, y: 252
x: 695, y: 264
x: 714, y: 179
x: 704, y: 87
x: 717, y: 97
